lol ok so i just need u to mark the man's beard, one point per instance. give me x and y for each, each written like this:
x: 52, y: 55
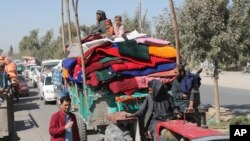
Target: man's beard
x: 179, y: 78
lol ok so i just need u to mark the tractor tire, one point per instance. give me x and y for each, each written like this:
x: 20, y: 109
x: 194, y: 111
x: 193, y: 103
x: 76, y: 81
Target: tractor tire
x: 82, y: 127
x: 114, y: 133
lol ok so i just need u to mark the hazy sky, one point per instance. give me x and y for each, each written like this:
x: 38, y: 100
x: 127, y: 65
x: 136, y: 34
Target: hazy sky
x: 18, y: 17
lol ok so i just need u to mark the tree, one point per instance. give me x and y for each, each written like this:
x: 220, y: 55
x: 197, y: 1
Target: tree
x: 1, y: 51
x: 163, y: 26
x: 11, y: 52
x: 29, y: 43
x: 66, y: 35
x: 204, y: 34
x: 132, y: 23
x: 42, y: 48
x: 87, y: 30
x: 238, y: 30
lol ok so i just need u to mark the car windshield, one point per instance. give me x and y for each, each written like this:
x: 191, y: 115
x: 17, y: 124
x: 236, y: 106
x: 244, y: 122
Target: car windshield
x: 21, y: 79
x: 49, y: 66
x: 48, y: 81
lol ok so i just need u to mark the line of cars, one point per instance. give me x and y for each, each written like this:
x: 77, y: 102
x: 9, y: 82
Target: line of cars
x: 45, y: 83
x: 41, y: 78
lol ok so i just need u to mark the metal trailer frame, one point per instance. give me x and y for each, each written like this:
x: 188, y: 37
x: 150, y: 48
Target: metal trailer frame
x: 7, y: 123
x: 97, y: 110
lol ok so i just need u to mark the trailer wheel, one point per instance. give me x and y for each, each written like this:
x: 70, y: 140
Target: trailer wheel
x: 82, y: 126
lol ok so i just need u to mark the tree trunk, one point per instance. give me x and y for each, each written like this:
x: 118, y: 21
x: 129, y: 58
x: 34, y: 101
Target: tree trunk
x: 68, y: 21
x: 63, y: 40
x: 216, y: 93
x: 176, y: 31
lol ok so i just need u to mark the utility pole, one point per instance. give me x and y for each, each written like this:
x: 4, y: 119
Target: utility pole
x: 68, y: 21
x: 139, y: 12
x: 176, y: 31
x: 63, y: 39
x: 75, y: 6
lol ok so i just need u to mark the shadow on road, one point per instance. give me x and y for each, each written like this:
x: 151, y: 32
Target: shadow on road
x: 26, y: 106
x: 243, y: 109
x: 27, y: 103
x: 23, y: 125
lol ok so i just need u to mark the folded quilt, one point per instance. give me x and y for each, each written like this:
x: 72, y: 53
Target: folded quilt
x: 142, y: 81
x: 99, y: 65
x: 152, y: 41
x: 134, y: 66
x: 104, y: 75
x: 164, y: 51
x: 168, y: 73
x: 126, y: 85
x: 149, y: 70
x: 130, y: 48
x: 114, y: 52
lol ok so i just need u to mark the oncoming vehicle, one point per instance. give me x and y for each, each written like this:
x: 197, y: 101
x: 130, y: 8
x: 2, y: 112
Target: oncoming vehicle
x: 27, y: 70
x: 49, y: 64
x: 36, y: 76
x: 22, y: 86
x: 47, y: 89
x: 31, y: 71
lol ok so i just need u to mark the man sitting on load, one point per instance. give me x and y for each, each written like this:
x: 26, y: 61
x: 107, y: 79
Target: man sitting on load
x: 158, y: 106
x: 10, y: 69
x: 185, y: 90
x: 3, y: 79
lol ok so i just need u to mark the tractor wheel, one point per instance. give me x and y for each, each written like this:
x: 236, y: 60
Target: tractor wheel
x: 82, y: 127
x: 114, y: 133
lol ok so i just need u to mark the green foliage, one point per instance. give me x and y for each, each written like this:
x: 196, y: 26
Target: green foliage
x: 163, y: 26
x: 30, y: 42
x: 44, y: 48
x: 87, y: 30
x: 239, y: 29
x: 1, y: 51
x: 132, y: 23
x: 241, y: 120
x: 203, y: 27
x: 66, y: 35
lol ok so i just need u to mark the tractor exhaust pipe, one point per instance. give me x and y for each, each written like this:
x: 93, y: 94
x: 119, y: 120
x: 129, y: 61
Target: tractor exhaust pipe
x: 202, y: 115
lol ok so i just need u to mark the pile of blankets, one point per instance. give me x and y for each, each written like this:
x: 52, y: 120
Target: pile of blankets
x: 123, y: 65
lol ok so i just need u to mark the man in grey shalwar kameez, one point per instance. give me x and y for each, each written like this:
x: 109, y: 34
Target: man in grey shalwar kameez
x: 158, y: 103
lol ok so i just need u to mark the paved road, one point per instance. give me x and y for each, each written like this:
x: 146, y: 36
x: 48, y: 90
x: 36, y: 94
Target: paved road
x: 32, y: 115
x: 32, y: 118
x: 233, y: 98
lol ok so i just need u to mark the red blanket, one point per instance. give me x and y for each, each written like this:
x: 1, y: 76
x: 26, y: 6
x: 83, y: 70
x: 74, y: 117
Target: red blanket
x: 99, y: 65
x: 134, y: 66
x: 127, y: 85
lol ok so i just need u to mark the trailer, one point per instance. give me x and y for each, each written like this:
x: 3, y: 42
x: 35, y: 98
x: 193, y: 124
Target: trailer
x: 100, y: 109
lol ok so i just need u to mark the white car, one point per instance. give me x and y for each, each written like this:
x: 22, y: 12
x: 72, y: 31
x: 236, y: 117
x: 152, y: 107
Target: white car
x: 46, y: 89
